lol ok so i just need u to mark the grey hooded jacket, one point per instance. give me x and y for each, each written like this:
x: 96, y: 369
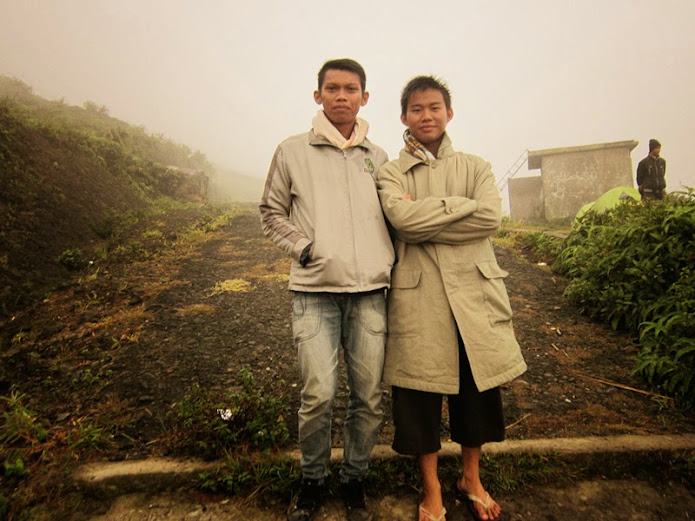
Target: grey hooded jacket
x: 317, y: 193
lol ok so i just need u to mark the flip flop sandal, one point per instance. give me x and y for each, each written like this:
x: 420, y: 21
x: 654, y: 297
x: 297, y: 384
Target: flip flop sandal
x: 430, y: 517
x: 472, y: 498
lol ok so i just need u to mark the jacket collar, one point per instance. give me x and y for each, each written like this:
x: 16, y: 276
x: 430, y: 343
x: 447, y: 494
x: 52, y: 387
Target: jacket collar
x: 408, y: 161
x: 325, y: 129
x: 318, y: 141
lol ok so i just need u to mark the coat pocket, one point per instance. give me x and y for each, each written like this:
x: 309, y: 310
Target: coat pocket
x: 404, y: 303
x: 306, y: 316
x: 494, y: 292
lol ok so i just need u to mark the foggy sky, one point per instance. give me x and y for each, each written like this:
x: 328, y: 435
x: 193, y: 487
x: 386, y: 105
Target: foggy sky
x: 235, y: 78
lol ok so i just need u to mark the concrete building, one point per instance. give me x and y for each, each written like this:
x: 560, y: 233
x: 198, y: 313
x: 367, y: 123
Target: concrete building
x: 526, y: 198
x: 570, y: 178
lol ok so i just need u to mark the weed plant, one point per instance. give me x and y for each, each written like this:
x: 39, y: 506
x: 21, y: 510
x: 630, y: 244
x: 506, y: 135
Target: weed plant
x: 20, y: 426
x: 36, y: 456
x: 22, y: 439
x: 634, y: 267
x: 213, y: 424
x: 264, y: 474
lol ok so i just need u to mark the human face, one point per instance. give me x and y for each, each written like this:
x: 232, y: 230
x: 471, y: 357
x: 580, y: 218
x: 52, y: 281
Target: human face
x: 655, y: 152
x: 341, y: 96
x: 427, y: 117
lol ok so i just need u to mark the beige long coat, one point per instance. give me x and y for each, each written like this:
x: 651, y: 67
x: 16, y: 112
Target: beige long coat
x: 446, y: 275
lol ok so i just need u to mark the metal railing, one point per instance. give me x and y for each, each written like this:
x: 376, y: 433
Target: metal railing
x: 504, y: 180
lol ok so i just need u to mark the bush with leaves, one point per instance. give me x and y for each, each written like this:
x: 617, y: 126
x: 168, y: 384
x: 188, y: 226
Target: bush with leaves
x: 667, y: 339
x: 73, y: 259
x: 633, y: 267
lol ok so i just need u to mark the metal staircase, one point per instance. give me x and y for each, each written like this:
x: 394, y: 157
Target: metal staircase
x: 504, y: 180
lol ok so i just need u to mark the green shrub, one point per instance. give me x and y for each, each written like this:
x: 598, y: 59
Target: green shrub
x: 632, y: 267
x: 667, y: 339
x: 212, y: 423
x: 72, y: 259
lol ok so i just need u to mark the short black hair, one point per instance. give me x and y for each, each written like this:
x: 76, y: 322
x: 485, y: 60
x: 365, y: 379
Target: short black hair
x: 420, y: 83
x: 343, y: 64
x: 654, y: 143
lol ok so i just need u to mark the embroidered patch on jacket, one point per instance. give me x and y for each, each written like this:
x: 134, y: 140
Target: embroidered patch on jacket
x: 368, y: 166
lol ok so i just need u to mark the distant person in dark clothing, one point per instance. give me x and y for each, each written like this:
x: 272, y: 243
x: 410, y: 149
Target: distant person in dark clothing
x: 651, y: 173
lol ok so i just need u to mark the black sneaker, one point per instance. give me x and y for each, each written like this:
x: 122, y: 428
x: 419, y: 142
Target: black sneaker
x: 355, y: 500
x: 307, y: 501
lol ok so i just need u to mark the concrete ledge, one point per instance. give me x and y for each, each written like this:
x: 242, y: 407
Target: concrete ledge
x: 587, y: 445
x: 117, y: 477
x: 165, y: 473
x: 591, y: 445
x: 102, y: 471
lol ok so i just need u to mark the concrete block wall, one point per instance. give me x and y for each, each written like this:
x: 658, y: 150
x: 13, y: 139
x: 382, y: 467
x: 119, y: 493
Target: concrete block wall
x: 526, y: 198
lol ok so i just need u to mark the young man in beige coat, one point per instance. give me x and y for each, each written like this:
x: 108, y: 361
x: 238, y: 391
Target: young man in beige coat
x: 450, y: 329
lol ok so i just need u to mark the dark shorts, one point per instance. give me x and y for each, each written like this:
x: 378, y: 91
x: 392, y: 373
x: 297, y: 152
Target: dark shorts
x: 474, y: 417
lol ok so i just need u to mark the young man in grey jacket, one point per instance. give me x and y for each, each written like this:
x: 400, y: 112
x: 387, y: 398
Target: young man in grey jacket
x: 321, y: 207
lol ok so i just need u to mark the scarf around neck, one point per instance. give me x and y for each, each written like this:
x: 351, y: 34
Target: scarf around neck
x: 415, y: 148
x: 324, y: 128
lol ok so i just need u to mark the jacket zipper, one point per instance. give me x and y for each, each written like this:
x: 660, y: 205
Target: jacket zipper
x: 354, y: 238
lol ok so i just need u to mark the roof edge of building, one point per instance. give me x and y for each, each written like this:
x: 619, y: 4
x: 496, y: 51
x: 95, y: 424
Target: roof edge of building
x: 535, y: 156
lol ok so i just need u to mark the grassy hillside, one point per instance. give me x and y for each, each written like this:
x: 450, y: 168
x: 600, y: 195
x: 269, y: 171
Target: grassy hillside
x: 69, y: 177
x: 94, y: 120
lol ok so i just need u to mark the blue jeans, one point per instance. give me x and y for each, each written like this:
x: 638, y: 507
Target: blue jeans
x: 321, y: 324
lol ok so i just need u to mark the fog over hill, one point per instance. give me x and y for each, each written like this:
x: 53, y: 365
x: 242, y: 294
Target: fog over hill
x: 234, y: 79
x: 74, y: 182
x: 228, y: 186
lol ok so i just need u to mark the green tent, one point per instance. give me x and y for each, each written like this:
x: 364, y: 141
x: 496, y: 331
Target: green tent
x: 609, y: 199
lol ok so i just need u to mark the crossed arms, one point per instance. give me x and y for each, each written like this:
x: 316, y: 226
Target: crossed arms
x: 452, y: 219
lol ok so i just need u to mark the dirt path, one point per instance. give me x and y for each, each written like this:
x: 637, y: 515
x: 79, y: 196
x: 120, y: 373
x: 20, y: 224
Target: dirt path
x: 131, y: 340
x: 103, y: 360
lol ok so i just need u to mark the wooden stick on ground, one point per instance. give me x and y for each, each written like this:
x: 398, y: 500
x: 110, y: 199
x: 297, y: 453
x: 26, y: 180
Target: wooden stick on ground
x: 517, y: 422
x: 621, y: 386
x: 560, y: 350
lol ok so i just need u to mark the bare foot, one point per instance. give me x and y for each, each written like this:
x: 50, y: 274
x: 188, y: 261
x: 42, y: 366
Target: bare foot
x: 487, y: 509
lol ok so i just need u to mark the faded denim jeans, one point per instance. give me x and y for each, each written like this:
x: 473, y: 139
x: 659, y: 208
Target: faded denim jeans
x: 322, y: 323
